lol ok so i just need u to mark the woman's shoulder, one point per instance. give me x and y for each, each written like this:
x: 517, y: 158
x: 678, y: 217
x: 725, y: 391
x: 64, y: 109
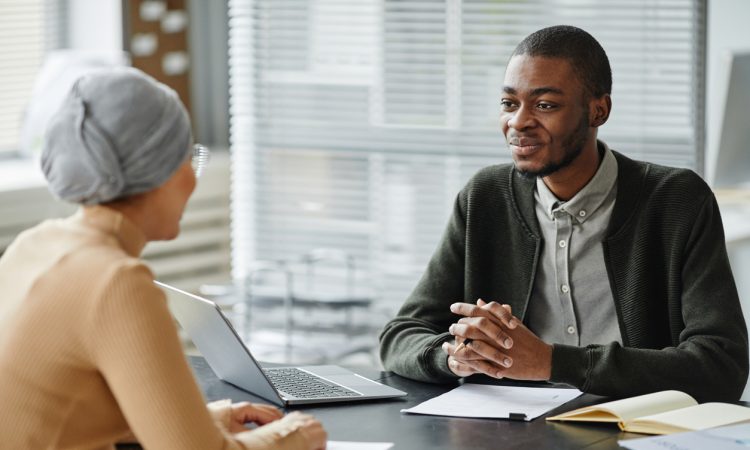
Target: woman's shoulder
x: 111, y: 267
x: 102, y: 257
x: 79, y: 259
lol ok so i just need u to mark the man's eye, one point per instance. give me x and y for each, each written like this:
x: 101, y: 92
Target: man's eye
x: 546, y: 106
x: 506, y: 104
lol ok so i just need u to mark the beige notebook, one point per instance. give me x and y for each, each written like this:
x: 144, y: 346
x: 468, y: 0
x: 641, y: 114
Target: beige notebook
x: 660, y: 413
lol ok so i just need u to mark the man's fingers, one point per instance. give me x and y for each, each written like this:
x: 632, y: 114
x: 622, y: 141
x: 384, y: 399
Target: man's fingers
x: 502, y: 312
x: 478, y: 350
x: 492, y: 310
x: 460, y: 368
x: 464, y: 368
x: 475, y: 366
x: 481, y: 328
x: 466, y: 309
x: 491, y: 353
x: 481, y: 303
x: 463, y: 353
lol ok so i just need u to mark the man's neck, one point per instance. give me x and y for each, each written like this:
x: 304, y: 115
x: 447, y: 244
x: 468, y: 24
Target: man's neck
x: 566, y: 182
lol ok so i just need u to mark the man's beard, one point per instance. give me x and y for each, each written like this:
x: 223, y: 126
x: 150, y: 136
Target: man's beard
x: 572, y: 147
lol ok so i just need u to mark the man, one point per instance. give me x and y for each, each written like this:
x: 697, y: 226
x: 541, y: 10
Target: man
x: 605, y: 273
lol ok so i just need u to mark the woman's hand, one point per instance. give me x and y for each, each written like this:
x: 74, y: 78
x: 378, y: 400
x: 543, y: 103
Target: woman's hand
x: 304, y: 427
x: 257, y: 413
x: 310, y: 429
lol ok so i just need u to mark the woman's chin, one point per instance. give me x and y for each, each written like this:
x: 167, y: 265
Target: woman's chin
x: 167, y: 235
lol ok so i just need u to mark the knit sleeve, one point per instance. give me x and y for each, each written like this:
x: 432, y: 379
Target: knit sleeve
x: 134, y: 343
x: 410, y: 344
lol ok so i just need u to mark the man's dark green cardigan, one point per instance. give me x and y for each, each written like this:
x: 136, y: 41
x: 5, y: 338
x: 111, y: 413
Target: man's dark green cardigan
x: 676, y: 301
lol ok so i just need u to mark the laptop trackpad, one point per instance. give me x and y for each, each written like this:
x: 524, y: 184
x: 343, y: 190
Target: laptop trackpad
x: 342, y: 376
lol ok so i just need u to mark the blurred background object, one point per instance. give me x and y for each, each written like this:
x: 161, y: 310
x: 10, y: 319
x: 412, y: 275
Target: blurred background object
x: 156, y: 35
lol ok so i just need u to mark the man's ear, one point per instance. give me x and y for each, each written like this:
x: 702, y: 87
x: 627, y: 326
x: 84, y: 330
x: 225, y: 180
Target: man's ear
x: 599, y: 109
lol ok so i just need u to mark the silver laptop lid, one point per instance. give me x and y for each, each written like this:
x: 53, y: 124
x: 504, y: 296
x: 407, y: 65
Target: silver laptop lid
x: 216, y: 339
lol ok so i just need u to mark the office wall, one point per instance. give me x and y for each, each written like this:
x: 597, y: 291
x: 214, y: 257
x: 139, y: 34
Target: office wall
x: 727, y: 30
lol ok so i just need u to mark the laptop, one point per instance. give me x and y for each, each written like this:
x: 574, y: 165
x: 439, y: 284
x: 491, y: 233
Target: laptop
x: 231, y: 360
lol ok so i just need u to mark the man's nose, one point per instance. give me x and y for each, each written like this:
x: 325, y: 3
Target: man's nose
x: 521, y: 119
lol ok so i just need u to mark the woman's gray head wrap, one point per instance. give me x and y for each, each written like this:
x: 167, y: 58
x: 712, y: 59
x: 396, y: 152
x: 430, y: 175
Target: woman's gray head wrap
x: 119, y: 132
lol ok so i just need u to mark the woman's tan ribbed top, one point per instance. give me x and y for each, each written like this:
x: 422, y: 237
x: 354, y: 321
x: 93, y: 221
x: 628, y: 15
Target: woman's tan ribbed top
x: 89, y: 351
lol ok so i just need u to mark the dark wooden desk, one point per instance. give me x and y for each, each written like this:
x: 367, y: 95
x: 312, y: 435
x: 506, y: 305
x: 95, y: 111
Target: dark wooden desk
x: 382, y: 421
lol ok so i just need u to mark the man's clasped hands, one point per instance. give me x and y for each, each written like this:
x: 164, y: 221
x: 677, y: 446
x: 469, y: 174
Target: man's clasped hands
x: 490, y: 340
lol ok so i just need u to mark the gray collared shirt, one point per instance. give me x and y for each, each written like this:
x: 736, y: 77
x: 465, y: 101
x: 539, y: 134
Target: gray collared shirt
x: 572, y: 301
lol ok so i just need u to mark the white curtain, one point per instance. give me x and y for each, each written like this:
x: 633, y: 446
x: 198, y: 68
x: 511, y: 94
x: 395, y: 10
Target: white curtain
x: 28, y: 30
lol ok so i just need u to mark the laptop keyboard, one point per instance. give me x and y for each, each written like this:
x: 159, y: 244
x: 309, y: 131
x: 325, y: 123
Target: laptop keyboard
x: 298, y: 383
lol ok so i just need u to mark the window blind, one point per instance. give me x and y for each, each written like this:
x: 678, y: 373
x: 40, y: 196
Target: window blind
x: 354, y: 124
x: 28, y: 30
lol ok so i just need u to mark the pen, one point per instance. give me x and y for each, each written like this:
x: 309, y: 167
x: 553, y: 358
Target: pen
x: 463, y: 344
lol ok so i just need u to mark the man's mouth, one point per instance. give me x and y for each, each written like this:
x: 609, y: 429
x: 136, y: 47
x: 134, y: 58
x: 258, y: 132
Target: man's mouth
x: 524, y: 146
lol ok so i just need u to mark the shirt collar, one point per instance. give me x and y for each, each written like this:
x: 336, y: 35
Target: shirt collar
x: 113, y: 222
x: 585, y: 203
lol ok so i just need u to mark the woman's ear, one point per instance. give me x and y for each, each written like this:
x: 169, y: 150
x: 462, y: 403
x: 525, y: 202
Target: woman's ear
x: 599, y: 110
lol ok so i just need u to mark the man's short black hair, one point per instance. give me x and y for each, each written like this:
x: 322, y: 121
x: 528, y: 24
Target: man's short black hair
x: 584, y: 53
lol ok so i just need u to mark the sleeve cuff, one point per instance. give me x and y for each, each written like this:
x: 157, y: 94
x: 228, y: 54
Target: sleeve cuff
x: 436, y: 360
x: 571, y: 365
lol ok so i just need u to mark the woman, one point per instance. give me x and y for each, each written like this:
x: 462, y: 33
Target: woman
x: 88, y: 350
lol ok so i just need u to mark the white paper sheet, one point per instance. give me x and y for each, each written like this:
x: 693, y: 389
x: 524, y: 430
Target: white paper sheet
x: 346, y: 445
x: 731, y: 437
x: 495, y: 402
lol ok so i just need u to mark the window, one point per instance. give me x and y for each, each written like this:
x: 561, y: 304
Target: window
x: 28, y: 30
x: 354, y: 124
